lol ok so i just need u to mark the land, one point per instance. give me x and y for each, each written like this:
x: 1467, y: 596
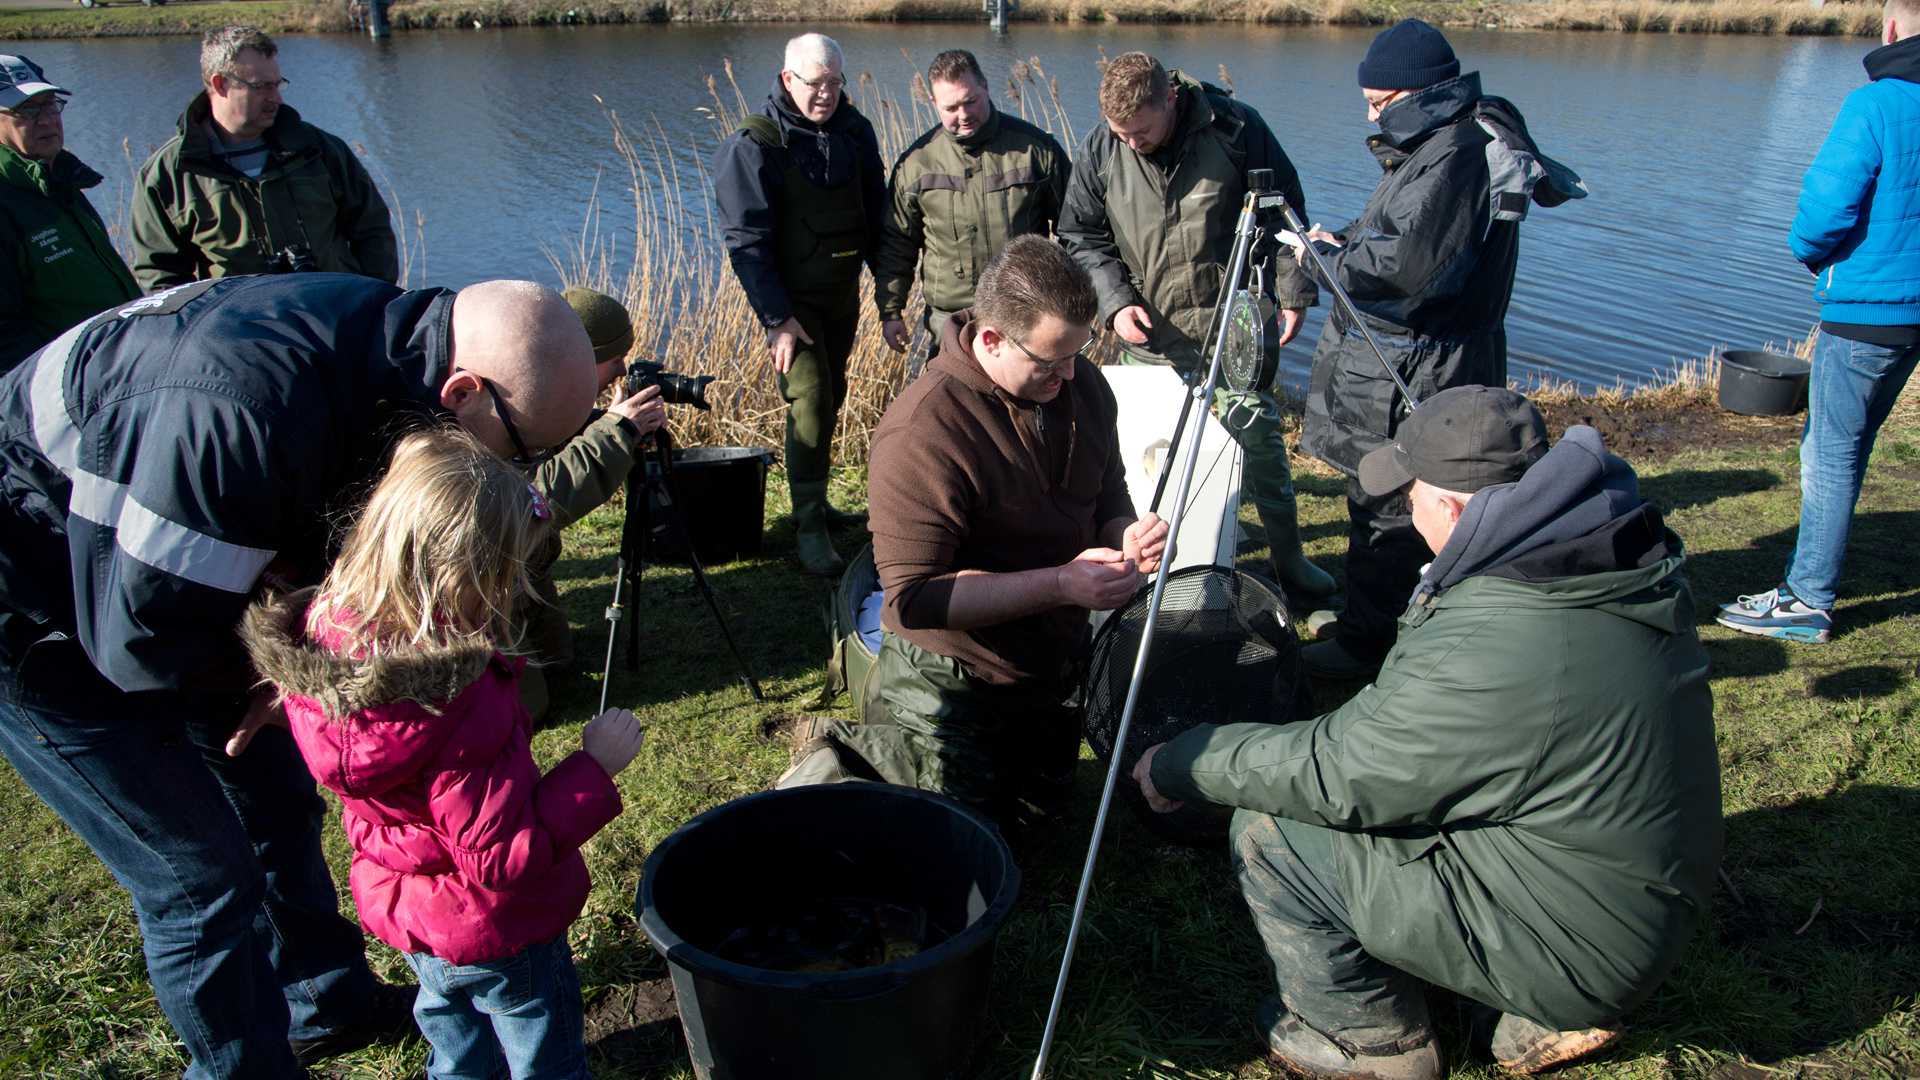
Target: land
x: 1810, y: 970
x: 126, y: 18
x: 131, y: 19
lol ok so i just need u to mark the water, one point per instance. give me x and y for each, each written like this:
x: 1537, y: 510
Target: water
x: 835, y: 934
x: 1694, y: 146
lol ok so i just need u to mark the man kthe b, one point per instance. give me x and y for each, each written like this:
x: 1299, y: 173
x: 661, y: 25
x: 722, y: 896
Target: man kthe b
x: 1855, y: 233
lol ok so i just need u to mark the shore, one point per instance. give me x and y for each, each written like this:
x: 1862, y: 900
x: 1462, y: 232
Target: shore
x: 127, y: 19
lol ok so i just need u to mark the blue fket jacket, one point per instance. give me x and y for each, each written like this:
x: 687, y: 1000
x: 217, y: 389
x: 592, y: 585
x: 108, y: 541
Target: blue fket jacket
x: 1858, y: 228
x: 158, y: 458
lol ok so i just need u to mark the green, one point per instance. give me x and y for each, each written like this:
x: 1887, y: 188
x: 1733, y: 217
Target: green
x: 1525, y: 803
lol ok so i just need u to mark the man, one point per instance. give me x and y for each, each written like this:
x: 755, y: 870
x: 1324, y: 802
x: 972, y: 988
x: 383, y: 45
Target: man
x: 162, y: 462
x: 802, y: 193
x: 959, y: 193
x: 1150, y: 213
x: 583, y: 475
x: 60, y: 267
x: 1000, y: 519
x: 247, y: 187
x: 1430, y: 262
x: 1853, y: 231
x: 1524, y: 806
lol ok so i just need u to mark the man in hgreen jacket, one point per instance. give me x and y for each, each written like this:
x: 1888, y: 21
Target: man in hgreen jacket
x: 1151, y: 213
x: 1524, y: 808
x: 247, y: 187
x: 59, y: 267
x: 959, y: 193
